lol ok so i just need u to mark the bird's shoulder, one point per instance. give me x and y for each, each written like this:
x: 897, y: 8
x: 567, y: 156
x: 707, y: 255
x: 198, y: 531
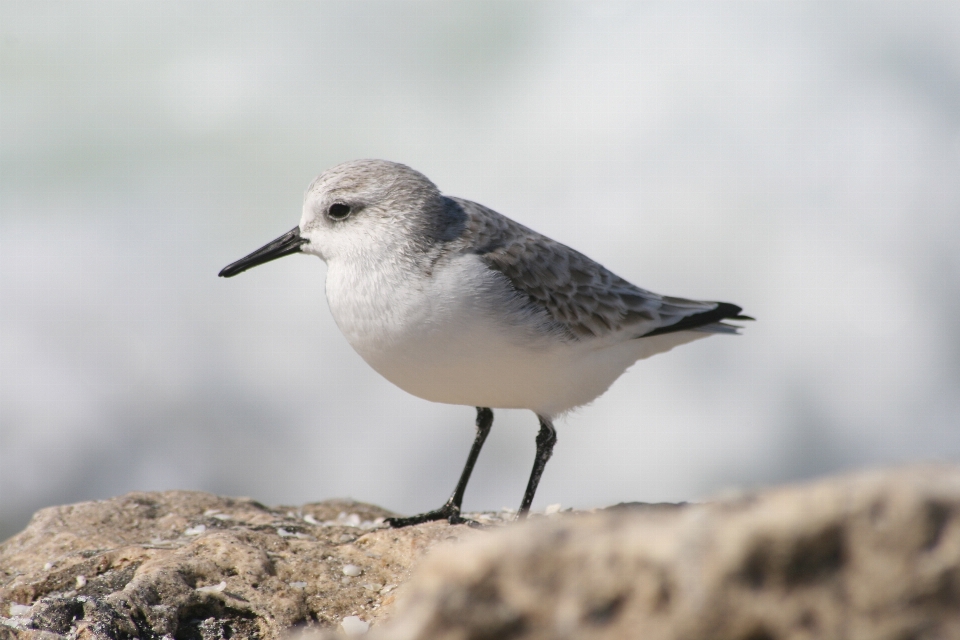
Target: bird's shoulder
x: 585, y: 299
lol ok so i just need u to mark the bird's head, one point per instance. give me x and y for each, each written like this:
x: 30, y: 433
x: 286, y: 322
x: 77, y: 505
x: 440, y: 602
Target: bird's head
x: 356, y: 210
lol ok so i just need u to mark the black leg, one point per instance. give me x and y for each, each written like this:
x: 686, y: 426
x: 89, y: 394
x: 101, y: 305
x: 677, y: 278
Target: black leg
x: 451, y: 510
x: 545, y: 441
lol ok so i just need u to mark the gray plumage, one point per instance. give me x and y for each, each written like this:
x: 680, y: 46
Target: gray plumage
x: 583, y: 297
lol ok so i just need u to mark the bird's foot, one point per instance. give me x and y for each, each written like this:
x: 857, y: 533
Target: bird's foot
x: 447, y: 512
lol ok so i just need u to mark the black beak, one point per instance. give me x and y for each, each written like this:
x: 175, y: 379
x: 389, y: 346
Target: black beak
x: 283, y: 246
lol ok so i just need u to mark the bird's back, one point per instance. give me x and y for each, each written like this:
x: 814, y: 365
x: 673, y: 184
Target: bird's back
x: 583, y: 299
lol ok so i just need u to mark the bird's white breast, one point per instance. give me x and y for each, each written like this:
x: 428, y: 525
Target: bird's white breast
x: 456, y: 337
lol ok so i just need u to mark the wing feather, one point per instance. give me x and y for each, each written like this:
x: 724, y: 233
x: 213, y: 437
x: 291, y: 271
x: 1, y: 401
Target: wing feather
x: 584, y: 299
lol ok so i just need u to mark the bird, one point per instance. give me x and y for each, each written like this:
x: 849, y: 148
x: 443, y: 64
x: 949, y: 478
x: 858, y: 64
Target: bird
x: 456, y: 303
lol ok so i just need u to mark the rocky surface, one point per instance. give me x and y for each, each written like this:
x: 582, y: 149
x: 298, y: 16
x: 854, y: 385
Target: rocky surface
x: 189, y: 565
x: 873, y: 555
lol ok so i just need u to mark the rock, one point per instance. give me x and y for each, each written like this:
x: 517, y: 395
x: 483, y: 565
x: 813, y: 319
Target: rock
x: 872, y: 556
x: 193, y: 565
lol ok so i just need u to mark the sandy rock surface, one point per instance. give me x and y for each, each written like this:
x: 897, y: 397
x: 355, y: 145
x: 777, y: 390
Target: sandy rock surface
x: 190, y: 565
x: 872, y: 556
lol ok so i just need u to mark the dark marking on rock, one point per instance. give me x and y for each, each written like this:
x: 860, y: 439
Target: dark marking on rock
x: 804, y: 561
x: 816, y: 557
x: 146, y: 508
x: 606, y: 612
x: 109, y: 581
x: 937, y: 515
x: 757, y: 565
x: 57, y: 614
x: 212, y: 620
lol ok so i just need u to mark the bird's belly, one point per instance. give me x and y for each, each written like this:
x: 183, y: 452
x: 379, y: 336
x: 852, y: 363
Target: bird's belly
x: 479, y: 365
x: 437, y: 342
x: 478, y: 361
x: 451, y: 339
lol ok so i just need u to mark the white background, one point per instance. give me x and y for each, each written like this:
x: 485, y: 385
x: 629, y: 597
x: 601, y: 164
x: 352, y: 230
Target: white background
x: 801, y: 160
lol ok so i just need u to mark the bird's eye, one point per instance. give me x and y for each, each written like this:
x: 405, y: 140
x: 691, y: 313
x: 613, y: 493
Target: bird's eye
x: 338, y: 211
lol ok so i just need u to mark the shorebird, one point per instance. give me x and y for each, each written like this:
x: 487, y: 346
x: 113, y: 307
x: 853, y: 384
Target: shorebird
x: 456, y: 303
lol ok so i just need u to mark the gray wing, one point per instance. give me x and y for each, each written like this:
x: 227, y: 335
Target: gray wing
x: 584, y: 298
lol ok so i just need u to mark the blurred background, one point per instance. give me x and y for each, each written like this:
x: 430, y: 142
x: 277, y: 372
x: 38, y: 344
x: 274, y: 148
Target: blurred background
x: 799, y: 159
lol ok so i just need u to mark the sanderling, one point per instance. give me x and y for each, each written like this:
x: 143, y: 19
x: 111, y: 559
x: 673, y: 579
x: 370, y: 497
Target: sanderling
x: 456, y: 303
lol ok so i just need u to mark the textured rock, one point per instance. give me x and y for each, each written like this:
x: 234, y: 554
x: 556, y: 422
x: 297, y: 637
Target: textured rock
x: 872, y: 556
x: 191, y: 565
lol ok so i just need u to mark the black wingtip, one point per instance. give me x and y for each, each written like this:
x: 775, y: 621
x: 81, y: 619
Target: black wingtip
x: 723, y: 311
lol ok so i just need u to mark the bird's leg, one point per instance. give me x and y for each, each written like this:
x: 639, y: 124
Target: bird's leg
x: 451, y: 509
x: 545, y: 441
